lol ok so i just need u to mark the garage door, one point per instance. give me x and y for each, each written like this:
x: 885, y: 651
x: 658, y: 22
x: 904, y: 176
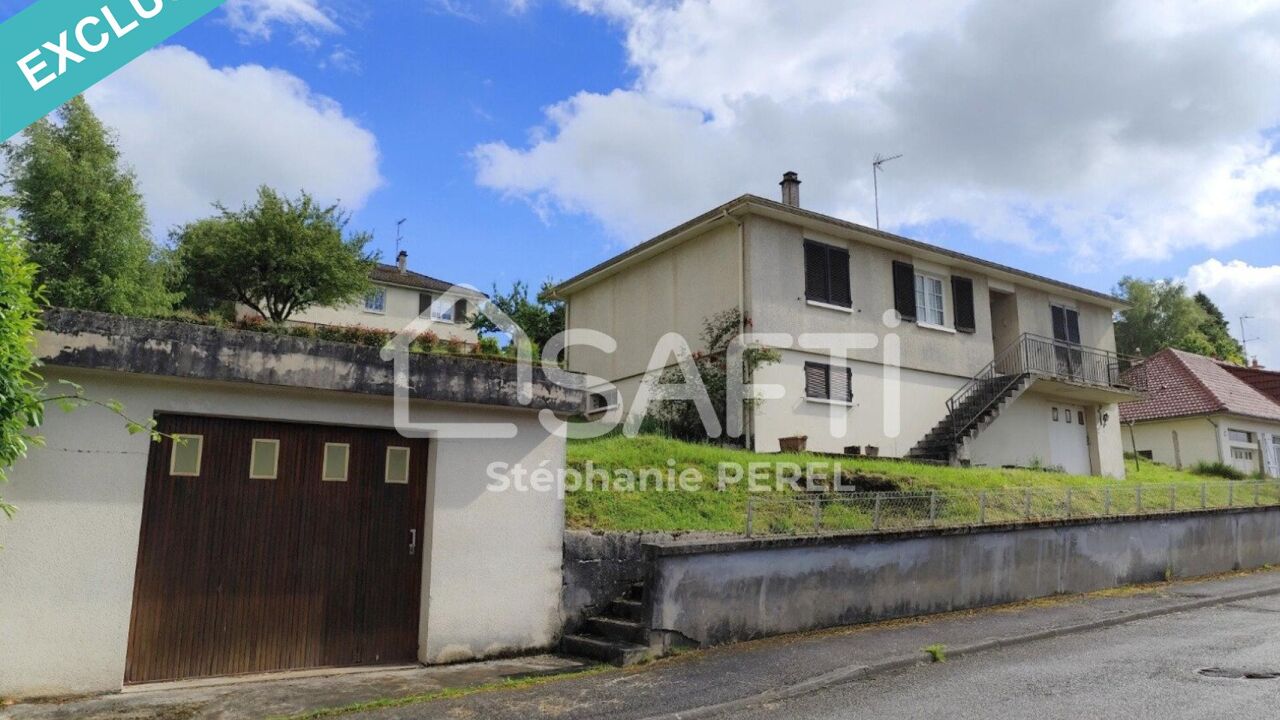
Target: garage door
x: 272, y: 546
x: 1069, y: 439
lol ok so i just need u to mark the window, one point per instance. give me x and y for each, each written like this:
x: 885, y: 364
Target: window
x: 1080, y: 416
x: 186, y: 456
x: 1240, y: 436
x: 336, y: 456
x: 826, y: 274
x: 601, y: 401
x: 264, y: 459
x: 439, y: 311
x: 827, y: 382
x: 1242, y: 454
x: 1067, y: 412
x: 929, y: 307
x: 1055, y: 414
x: 376, y: 300
x: 397, y: 466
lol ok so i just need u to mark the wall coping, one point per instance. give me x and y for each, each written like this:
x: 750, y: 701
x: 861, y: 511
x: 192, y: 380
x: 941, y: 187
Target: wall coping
x: 169, y: 348
x: 704, y: 547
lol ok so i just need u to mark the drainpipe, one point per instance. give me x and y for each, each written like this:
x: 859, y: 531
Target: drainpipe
x: 748, y: 430
x: 1133, y: 442
x: 1217, y: 439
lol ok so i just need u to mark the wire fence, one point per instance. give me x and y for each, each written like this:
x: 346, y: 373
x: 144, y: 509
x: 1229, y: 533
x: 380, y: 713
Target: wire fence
x: 871, y: 512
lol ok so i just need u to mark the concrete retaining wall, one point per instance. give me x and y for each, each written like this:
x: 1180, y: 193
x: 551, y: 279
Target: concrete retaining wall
x: 719, y: 592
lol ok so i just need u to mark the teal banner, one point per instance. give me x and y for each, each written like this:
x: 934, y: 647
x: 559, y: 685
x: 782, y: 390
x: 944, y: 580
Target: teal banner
x: 56, y: 49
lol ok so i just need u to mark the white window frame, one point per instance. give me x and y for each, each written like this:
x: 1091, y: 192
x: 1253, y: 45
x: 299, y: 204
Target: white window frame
x: 1251, y: 438
x: 923, y: 295
x: 381, y: 307
x: 173, y: 454
x: 386, y: 470
x: 346, y: 463
x: 444, y: 314
x: 253, y: 455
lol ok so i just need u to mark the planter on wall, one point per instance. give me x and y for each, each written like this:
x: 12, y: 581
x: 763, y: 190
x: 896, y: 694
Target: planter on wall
x: 796, y: 443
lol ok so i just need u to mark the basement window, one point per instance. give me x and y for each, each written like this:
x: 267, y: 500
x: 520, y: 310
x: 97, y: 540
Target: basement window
x: 397, y: 472
x: 264, y: 459
x: 336, y: 459
x: 186, y: 456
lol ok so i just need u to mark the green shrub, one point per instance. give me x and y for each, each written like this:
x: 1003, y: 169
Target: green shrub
x: 20, y: 406
x: 1217, y: 469
x: 488, y: 346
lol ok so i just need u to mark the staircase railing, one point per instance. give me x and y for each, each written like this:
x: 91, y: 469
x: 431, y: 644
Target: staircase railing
x: 1034, y: 354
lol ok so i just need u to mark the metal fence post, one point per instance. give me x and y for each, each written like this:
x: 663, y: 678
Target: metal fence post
x: 1138, y: 501
x: 1204, y: 496
x: 1173, y: 498
x: 817, y: 516
x: 1106, y: 501
x: 875, y: 514
x: 982, y: 507
x: 1026, y: 503
x: 1231, y: 493
x: 751, y: 508
x: 1068, y: 503
x: 933, y: 507
x: 1255, y: 493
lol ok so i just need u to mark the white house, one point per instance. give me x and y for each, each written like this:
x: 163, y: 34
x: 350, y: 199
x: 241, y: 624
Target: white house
x: 291, y: 526
x: 1204, y: 410
x: 971, y: 360
x: 399, y: 296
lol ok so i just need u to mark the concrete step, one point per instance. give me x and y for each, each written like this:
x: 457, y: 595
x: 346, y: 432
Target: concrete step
x: 635, y: 592
x: 616, y: 652
x: 614, y: 629
x: 630, y: 610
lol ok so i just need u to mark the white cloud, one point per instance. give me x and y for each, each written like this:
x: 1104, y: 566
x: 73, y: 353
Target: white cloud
x: 196, y: 134
x: 1239, y: 288
x: 256, y: 19
x: 1105, y: 126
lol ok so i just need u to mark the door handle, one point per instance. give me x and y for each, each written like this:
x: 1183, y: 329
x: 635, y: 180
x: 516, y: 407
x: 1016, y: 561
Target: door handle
x: 413, y: 541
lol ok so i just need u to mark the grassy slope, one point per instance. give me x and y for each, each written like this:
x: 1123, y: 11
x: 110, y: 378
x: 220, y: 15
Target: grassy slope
x: 710, y: 509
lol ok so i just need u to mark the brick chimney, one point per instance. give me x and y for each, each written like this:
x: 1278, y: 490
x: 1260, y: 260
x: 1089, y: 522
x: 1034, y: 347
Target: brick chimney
x: 401, y: 260
x: 790, y: 189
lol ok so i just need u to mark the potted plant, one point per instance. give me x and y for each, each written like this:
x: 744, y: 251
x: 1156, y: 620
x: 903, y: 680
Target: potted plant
x: 794, y: 444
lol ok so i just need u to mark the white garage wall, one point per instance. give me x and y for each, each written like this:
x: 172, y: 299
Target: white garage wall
x: 492, y: 574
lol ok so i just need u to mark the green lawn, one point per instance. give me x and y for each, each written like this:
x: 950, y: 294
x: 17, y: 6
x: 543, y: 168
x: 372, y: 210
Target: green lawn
x: 724, y: 510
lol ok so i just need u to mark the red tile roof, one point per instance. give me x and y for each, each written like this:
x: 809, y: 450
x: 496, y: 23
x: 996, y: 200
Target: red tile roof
x: 1264, y: 381
x: 1182, y: 384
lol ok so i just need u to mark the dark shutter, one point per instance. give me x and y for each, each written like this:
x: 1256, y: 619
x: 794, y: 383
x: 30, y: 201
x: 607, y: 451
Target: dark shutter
x: 424, y: 303
x: 816, y: 380
x: 460, y: 311
x: 817, y: 273
x: 904, y: 290
x: 1073, y: 326
x: 838, y: 260
x: 841, y: 383
x: 962, y: 298
x: 1059, y: 323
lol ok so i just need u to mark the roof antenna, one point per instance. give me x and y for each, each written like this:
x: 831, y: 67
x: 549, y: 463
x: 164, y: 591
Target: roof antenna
x: 875, y: 180
x: 399, y: 224
x: 1244, y: 338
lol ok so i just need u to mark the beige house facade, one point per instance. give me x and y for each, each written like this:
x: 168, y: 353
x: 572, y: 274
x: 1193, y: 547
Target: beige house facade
x: 1015, y: 354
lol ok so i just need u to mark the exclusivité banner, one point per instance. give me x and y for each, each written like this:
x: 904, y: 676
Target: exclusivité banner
x: 56, y: 49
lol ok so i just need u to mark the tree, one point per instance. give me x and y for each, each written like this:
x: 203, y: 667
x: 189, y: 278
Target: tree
x: 21, y: 408
x: 541, y: 318
x: 278, y: 256
x: 83, y: 216
x: 1163, y: 315
x: 1218, y: 331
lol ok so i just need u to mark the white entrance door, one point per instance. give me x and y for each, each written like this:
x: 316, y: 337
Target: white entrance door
x: 1069, y: 439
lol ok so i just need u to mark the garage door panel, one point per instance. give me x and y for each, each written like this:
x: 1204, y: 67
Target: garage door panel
x: 239, y: 575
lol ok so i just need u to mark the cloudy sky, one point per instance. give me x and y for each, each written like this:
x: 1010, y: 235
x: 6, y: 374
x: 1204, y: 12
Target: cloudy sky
x: 1083, y: 139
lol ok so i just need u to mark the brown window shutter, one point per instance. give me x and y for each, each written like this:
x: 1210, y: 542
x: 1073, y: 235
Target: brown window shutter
x: 839, y: 263
x: 904, y: 290
x: 962, y: 298
x: 816, y: 380
x: 816, y: 272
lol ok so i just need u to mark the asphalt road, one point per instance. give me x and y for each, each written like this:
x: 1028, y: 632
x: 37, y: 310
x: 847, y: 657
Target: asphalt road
x: 1144, y: 669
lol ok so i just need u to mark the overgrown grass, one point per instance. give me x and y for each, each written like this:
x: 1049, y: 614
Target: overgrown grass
x: 711, y: 509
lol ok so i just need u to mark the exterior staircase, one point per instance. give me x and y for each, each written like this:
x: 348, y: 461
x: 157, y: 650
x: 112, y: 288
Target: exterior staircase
x: 618, y: 635
x: 969, y: 417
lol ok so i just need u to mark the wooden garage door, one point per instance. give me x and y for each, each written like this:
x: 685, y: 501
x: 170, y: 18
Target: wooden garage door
x: 241, y: 575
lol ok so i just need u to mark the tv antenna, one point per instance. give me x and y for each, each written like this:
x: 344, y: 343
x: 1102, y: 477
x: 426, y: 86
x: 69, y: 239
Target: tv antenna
x: 875, y: 179
x: 399, y: 224
x: 1245, y: 339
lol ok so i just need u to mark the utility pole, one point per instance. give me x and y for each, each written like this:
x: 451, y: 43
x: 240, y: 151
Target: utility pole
x: 875, y: 179
x: 1244, y: 338
x: 399, y: 224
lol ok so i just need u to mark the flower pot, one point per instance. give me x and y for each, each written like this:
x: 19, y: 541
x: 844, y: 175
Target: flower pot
x: 794, y: 444
x: 872, y: 451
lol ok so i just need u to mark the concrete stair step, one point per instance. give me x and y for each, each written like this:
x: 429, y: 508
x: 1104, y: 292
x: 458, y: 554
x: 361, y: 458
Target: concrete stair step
x: 630, y: 610
x: 616, y: 652
x: 614, y: 629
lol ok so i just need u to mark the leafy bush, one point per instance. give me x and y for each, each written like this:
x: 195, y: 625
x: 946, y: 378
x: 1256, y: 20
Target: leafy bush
x: 20, y: 386
x: 1217, y: 469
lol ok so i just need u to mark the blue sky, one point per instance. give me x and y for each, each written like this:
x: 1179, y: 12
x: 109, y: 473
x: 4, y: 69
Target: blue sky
x: 530, y: 139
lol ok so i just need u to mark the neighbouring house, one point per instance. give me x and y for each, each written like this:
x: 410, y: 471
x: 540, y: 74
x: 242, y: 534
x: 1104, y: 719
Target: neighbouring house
x: 399, y: 296
x: 1199, y: 409
x: 973, y: 361
x: 291, y: 527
